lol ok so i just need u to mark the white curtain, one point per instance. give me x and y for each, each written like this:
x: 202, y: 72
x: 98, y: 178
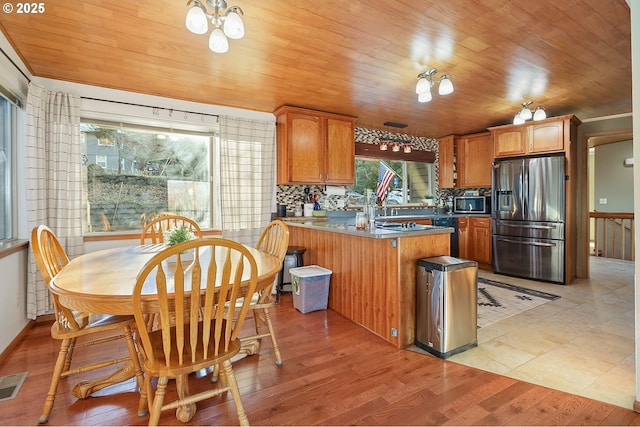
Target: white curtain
x: 53, y: 180
x: 247, y: 177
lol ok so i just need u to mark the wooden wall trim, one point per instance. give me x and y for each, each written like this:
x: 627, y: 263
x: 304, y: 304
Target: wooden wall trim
x: 372, y: 150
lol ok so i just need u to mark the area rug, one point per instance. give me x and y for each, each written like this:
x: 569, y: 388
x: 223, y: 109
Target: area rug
x: 10, y: 385
x: 497, y: 300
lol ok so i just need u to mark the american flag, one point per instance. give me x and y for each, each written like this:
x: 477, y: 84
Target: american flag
x: 385, y: 175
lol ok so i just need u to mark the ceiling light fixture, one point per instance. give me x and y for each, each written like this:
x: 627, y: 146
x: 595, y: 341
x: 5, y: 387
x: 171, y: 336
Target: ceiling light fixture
x: 525, y: 114
x: 226, y: 23
x: 426, y: 80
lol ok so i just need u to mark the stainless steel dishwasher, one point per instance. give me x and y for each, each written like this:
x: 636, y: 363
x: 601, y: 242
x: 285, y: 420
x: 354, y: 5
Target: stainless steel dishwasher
x: 446, y: 305
x: 450, y: 221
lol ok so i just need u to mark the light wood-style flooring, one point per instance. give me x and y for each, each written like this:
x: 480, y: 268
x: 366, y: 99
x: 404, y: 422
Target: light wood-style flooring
x: 334, y: 373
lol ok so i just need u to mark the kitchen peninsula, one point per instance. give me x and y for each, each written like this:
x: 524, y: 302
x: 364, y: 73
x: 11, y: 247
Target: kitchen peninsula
x: 374, y: 271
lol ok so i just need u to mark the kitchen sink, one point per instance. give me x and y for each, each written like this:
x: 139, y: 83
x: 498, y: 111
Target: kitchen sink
x: 403, y: 226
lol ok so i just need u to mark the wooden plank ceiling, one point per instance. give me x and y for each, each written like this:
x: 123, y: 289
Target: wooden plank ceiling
x: 356, y: 57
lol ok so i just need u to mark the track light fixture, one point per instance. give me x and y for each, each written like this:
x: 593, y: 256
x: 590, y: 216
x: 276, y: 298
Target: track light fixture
x: 525, y: 114
x: 394, y: 143
x: 226, y: 23
x: 426, y: 80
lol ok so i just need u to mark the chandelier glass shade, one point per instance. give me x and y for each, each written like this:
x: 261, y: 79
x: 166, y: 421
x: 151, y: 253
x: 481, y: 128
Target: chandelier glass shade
x: 426, y: 81
x: 227, y: 22
x: 525, y: 114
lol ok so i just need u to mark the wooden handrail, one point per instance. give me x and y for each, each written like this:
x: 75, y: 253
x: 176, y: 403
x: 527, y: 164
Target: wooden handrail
x: 617, y: 215
x: 621, y: 227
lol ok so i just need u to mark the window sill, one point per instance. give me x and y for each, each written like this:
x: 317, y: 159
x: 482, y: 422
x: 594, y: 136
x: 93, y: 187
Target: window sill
x: 130, y: 235
x: 12, y: 246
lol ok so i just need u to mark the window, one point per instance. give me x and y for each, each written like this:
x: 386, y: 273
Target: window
x: 101, y: 161
x: 144, y: 171
x: 411, y: 183
x: 7, y: 197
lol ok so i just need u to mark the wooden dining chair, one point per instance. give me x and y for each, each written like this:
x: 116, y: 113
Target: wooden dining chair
x: 70, y: 325
x: 153, y: 231
x: 193, y: 333
x: 274, y: 240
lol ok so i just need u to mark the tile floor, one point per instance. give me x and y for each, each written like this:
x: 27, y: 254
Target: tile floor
x: 582, y: 343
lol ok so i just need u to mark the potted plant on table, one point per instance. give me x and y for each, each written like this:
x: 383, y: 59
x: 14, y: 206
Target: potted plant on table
x: 179, y: 235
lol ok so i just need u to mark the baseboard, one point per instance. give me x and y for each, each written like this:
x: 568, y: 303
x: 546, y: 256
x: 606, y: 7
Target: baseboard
x: 636, y: 406
x: 47, y: 318
x: 14, y: 343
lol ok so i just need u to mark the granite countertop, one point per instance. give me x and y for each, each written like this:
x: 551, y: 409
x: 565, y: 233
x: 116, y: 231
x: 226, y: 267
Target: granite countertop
x: 348, y: 227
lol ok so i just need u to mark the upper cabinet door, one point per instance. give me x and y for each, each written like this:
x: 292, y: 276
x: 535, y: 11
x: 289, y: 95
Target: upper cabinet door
x: 340, y: 152
x: 511, y: 141
x: 546, y: 137
x: 305, y: 150
x: 475, y: 160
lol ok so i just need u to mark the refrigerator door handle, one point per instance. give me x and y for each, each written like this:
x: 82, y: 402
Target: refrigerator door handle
x: 537, y: 227
x: 546, y: 245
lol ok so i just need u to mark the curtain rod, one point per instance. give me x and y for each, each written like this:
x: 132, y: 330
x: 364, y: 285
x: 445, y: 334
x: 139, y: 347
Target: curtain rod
x: 15, y: 65
x: 154, y: 109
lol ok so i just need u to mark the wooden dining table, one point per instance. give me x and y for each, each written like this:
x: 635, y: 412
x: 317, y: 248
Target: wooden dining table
x: 102, y: 282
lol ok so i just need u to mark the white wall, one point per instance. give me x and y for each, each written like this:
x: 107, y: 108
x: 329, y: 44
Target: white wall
x: 635, y: 84
x: 613, y: 180
x: 13, y: 304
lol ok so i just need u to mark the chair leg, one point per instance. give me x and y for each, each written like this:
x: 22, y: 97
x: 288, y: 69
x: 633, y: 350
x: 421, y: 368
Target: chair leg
x: 230, y: 378
x: 215, y: 375
x: 158, y: 400
x: 257, y: 320
x: 55, y: 379
x: 67, y: 360
x: 272, y: 334
x: 133, y: 354
x: 147, y: 392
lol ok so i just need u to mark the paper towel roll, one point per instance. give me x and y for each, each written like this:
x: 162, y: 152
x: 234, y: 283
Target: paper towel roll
x: 335, y: 190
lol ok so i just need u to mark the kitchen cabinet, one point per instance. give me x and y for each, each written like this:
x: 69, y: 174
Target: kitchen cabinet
x: 463, y: 237
x: 465, y: 161
x: 374, y: 279
x: 545, y: 136
x: 475, y: 157
x: 314, y: 147
x: 479, y: 239
x: 446, y: 162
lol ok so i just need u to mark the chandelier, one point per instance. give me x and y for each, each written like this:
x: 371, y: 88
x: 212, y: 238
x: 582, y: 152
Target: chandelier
x: 226, y: 23
x: 525, y: 114
x: 426, y: 80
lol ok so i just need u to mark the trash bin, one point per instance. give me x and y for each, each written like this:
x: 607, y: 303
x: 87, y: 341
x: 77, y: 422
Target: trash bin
x: 446, y: 305
x: 310, y: 287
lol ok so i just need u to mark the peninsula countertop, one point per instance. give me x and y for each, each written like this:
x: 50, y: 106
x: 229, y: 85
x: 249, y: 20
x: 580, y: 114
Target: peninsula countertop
x: 348, y: 227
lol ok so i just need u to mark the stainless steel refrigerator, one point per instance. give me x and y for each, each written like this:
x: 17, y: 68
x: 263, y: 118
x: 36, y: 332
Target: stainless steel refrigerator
x: 528, y: 217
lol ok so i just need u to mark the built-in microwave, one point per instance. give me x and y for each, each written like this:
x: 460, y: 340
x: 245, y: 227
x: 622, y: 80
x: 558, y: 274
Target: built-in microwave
x: 472, y: 204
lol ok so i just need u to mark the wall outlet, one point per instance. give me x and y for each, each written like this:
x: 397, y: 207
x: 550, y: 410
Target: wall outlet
x: 394, y: 332
x: 603, y: 200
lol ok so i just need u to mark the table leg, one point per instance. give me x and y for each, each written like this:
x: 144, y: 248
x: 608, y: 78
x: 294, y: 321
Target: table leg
x: 84, y: 389
x: 184, y: 413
